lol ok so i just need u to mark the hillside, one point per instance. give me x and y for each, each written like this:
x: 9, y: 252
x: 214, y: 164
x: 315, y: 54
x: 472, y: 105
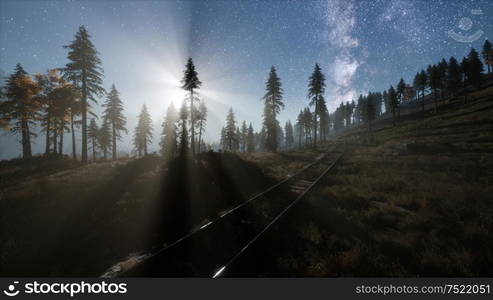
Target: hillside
x: 414, y: 202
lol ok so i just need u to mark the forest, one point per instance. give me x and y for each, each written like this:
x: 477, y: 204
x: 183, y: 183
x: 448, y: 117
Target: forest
x: 61, y: 101
x: 396, y: 182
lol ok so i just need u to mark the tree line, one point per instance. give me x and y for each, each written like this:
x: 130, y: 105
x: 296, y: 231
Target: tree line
x: 63, y: 99
x: 438, y: 82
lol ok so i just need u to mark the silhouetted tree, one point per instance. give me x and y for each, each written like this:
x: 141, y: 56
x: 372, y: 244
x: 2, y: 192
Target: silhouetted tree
x: 183, y: 117
x: 244, y: 136
x: 393, y: 102
x: 250, y: 139
x: 442, y: 76
x: 474, y: 68
x: 400, y: 90
x: 113, y: 113
x: 84, y: 71
x: 21, y: 108
x: 230, y: 135
x: 316, y: 89
x: 272, y: 106
x: 143, y: 131
x: 299, y: 125
x: 92, y: 134
x: 488, y: 54
x: 168, y: 134
x: 47, y: 83
x: 324, y: 119
x: 202, y: 119
x: 288, y: 129
x: 307, y: 122
x: 64, y: 96
x: 104, y: 138
x: 453, y: 80
x: 433, y: 82
x: 190, y: 83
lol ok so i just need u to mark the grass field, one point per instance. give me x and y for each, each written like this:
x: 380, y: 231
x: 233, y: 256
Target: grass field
x: 416, y: 201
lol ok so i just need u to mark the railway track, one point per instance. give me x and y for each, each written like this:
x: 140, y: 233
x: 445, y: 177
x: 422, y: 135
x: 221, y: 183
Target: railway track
x: 210, y: 249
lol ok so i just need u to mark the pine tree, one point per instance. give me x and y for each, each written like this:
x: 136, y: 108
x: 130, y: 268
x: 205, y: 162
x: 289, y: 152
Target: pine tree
x: 250, y: 139
x: 386, y: 101
x: 202, y: 120
x: 21, y: 108
x: 143, y: 132
x: 272, y: 107
x: 190, y: 83
x: 400, y: 89
x: 104, y: 138
x: 46, y: 83
x: 168, y: 136
x: 113, y: 113
x: 370, y: 110
x: 324, y: 119
x: 393, y: 102
x: 316, y: 89
x: 474, y: 69
x: 300, y: 125
x: 288, y: 129
x: 237, y: 143
x: 243, y: 134
x: 464, y: 68
x: 488, y: 54
x: 453, y: 80
x: 92, y: 134
x: 442, y: 75
x: 84, y: 70
x: 307, y: 126
x: 230, y: 136
x: 434, y: 82
x: 63, y: 96
x: 183, y: 117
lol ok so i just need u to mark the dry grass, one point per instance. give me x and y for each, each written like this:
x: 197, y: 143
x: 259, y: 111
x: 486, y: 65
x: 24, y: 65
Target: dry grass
x: 415, y: 203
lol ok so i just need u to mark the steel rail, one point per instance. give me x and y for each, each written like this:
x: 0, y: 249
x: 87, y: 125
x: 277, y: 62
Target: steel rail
x: 216, y: 219
x: 255, y: 238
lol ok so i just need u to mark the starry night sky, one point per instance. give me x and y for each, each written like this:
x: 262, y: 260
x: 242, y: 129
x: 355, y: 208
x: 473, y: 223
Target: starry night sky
x: 361, y: 46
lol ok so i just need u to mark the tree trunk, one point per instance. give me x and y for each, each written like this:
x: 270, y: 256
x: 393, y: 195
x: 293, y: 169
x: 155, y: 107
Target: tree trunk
x: 48, y: 123
x: 192, y: 123
x: 55, y: 138
x: 315, y: 123
x: 114, y: 141
x: 60, y: 147
x: 435, y: 99
x: 93, y: 149
x: 200, y: 137
x: 145, y: 146
x: 74, y: 154
x: 29, y: 151
x: 84, y: 118
x: 26, y: 143
x: 299, y: 139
